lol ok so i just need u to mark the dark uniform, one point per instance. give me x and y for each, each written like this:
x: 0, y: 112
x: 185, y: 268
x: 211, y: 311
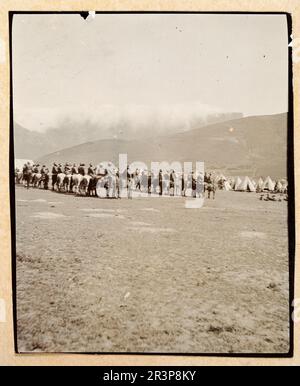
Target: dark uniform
x: 74, y: 169
x: 172, y: 182
x: 54, y: 175
x: 81, y: 170
x: 149, y: 182
x: 45, y: 177
x: 160, y: 182
x: 91, y: 170
x: 27, y: 173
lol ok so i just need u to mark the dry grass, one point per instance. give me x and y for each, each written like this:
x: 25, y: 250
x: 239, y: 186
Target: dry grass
x: 215, y: 281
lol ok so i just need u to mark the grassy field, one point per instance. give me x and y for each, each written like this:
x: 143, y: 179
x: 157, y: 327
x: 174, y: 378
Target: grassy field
x: 149, y: 275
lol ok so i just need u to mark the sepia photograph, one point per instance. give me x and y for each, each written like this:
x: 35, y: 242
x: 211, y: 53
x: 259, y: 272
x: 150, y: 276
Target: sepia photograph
x: 152, y: 172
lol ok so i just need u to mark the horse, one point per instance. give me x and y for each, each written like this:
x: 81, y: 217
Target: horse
x: 67, y: 182
x: 92, y: 191
x: 27, y: 177
x: 210, y: 187
x: 60, y: 181
x: 18, y: 176
x: 76, y: 181
x: 36, y: 180
x: 84, y: 184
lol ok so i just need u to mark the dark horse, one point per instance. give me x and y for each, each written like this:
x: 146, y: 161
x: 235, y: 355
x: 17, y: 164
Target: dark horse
x: 27, y: 177
x: 211, y: 187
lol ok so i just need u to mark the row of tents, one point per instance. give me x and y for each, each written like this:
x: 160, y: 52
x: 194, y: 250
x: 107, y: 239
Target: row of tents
x: 246, y: 184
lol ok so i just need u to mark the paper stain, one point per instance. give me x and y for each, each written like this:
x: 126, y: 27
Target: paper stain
x: 150, y: 209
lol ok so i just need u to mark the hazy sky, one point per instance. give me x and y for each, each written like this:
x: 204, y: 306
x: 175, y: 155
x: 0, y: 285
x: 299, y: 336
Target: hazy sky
x: 142, y: 65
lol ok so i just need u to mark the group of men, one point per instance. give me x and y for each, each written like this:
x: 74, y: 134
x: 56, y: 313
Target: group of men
x: 141, y: 180
x: 70, y: 169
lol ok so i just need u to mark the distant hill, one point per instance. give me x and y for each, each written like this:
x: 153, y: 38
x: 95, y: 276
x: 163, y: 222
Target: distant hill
x: 33, y: 144
x: 251, y: 146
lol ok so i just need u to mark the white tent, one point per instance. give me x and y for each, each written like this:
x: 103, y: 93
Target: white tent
x: 237, y: 182
x: 227, y: 186
x: 260, y: 183
x: 246, y: 186
x: 19, y: 163
x: 284, y: 184
x: 268, y: 184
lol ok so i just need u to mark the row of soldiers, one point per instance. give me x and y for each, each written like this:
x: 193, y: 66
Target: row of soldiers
x: 68, y: 168
x: 138, y: 179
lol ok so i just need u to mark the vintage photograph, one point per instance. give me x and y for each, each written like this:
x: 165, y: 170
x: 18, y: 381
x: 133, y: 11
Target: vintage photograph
x: 151, y: 180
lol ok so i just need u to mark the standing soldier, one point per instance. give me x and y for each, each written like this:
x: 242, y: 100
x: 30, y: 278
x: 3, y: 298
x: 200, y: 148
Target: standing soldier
x: 54, y: 175
x: 130, y: 182
x: 59, y: 169
x: 160, y: 182
x: 149, y: 181
x: 45, y: 177
x: 172, y: 182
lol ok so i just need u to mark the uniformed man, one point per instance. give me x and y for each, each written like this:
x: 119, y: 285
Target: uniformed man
x: 74, y: 169
x: 67, y: 169
x: 54, y: 174
x: 160, y: 182
x: 91, y: 170
x: 45, y: 177
x: 81, y: 169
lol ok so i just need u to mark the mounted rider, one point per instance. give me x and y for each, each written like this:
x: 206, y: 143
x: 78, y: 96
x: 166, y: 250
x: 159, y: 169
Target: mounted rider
x: 74, y: 169
x: 67, y: 169
x: 27, y: 173
x: 35, y: 168
x: 91, y: 170
x: 81, y: 169
x: 45, y: 176
x: 59, y: 169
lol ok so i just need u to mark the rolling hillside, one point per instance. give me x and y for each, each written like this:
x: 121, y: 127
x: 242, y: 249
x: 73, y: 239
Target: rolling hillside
x: 71, y: 132
x: 253, y: 145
